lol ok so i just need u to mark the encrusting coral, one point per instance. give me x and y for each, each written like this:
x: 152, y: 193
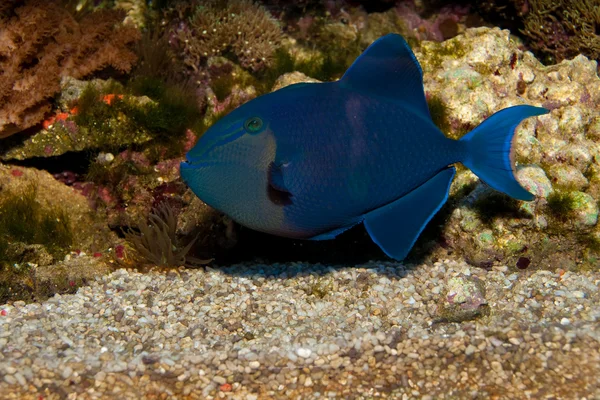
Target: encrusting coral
x: 479, y: 72
x: 217, y: 27
x: 40, y: 42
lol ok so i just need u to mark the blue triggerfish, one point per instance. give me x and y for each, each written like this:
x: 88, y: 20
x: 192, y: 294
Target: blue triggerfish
x: 311, y: 160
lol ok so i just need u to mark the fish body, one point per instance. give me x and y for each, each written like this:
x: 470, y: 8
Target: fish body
x: 313, y: 159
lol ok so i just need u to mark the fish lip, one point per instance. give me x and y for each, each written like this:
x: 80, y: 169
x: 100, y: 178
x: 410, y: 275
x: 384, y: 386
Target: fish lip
x: 188, y: 163
x: 185, y: 163
x: 192, y: 160
x: 197, y: 162
x: 197, y: 157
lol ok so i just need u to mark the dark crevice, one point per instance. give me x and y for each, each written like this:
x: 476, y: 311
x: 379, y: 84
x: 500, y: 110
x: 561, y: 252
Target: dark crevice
x: 76, y: 162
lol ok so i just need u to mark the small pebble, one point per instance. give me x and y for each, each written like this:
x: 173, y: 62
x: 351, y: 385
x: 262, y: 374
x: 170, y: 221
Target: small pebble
x: 303, y: 352
x: 200, y: 343
x: 67, y: 372
x: 470, y: 349
x: 21, y: 379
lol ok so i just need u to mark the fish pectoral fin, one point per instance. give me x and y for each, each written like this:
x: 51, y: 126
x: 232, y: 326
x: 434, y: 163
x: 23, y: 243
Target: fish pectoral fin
x: 389, y: 68
x: 396, y: 226
x: 277, y: 192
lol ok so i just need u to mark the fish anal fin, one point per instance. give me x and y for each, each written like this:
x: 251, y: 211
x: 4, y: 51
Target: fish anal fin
x: 335, y: 232
x: 396, y: 226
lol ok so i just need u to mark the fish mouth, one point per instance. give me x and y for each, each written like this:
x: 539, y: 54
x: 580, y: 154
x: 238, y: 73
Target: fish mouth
x: 189, y: 160
x: 195, y: 163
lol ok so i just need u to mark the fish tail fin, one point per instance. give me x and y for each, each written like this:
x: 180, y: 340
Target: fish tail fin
x: 490, y: 153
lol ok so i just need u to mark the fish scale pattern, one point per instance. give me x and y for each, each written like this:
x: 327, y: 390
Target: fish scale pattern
x: 351, y: 153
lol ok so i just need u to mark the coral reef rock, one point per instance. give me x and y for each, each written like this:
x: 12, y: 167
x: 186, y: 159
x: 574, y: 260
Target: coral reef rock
x: 292, y: 78
x: 61, y: 133
x: 66, y: 224
x: 88, y: 233
x: 483, y: 71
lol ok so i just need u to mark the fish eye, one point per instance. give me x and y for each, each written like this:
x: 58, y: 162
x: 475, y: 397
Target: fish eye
x: 253, y: 125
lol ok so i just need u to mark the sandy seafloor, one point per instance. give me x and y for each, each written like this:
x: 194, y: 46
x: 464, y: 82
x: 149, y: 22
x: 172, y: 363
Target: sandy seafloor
x: 308, y: 331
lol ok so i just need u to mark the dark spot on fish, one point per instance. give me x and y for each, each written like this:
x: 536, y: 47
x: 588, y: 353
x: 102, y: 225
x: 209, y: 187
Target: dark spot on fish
x: 276, y: 190
x: 278, y: 197
x: 523, y: 262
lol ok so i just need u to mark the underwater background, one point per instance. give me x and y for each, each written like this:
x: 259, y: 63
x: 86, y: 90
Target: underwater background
x: 116, y: 281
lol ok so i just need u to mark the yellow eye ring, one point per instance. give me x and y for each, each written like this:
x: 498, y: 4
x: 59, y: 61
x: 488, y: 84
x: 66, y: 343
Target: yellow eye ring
x: 253, y: 125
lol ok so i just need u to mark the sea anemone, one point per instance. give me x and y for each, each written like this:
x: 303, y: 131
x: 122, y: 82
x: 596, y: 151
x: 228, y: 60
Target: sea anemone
x: 156, y: 242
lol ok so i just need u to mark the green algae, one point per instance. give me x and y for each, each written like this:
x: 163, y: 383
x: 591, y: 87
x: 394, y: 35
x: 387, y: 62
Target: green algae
x: 439, y: 113
x: 24, y: 220
x: 434, y: 53
x: 13, y: 284
x: 4, y: 251
x: 117, y: 115
x: 591, y: 241
x: 495, y: 204
x: 283, y: 63
x: 117, y: 171
x: 441, y: 118
x: 482, y: 68
x: 319, y: 289
x: 561, y: 203
x: 328, y: 64
x: 335, y: 63
x: 514, y: 245
x: 174, y: 107
x: 222, y: 86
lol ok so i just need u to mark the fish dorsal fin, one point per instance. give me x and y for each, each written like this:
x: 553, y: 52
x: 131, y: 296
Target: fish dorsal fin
x: 389, y: 68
